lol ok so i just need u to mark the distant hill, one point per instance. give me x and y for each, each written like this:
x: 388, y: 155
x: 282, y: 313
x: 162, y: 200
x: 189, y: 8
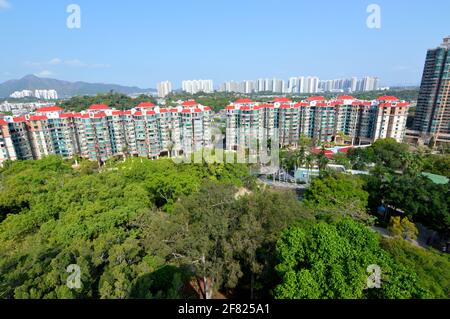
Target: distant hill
x: 64, y: 88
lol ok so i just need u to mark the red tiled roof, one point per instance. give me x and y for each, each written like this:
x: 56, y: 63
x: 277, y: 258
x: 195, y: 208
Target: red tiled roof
x: 243, y: 101
x: 302, y: 104
x: 146, y: 105
x: 174, y: 110
x: 186, y: 111
x: 316, y: 98
x: 150, y: 113
x: 117, y: 112
x: 197, y: 110
x: 163, y: 110
x: 387, y: 98
x: 99, y: 115
x: 66, y: 115
x: 47, y: 109
x: 318, y: 151
x: 98, y: 107
x: 368, y: 103
x: 38, y: 118
x: 189, y: 103
x: 281, y: 99
x: 207, y: 108
x: 345, y: 150
x: 345, y: 97
x: 3, y: 122
x: 19, y: 119
x: 245, y: 108
x: 285, y: 106
x: 229, y: 107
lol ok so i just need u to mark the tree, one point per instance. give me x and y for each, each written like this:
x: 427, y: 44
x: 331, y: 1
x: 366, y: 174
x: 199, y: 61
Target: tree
x: 329, y: 261
x: 361, y: 157
x: 305, y: 141
x: 430, y: 266
x: 412, y: 163
x: 338, y: 194
x: 342, y: 159
x: 389, y: 152
x: 421, y: 199
x: 402, y: 227
x: 322, y: 159
x: 310, y: 161
x: 228, y: 240
x: 301, y: 156
x: 114, y: 224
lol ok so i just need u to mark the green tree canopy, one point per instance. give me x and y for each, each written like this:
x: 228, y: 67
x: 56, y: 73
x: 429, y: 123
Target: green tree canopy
x: 329, y: 261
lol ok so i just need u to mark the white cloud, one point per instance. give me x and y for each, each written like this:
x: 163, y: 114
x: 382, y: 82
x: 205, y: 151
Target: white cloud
x: 74, y: 63
x: 55, y: 61
x: 4, y: 4
x: 44, y: 73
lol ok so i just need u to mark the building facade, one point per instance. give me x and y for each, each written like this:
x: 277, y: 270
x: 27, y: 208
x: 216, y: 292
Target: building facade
x: 316, y: 118
x: 196, y: 86
x: 432, y: 118
x: 100, y: 132
x: 164, y: 89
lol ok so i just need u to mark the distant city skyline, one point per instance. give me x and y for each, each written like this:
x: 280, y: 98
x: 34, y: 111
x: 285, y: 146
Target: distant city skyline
x: 329, y: 41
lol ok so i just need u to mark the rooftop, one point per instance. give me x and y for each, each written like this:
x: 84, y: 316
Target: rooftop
x: 437, y: 179
x: 48, y: 109
x: 98, y: 107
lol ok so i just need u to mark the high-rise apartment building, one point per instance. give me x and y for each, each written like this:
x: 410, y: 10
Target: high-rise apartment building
x: 302, y: 85
x: 432, y: 118
x: 100, y: 132
x: 317, y: 118
x: 164, y: 88
x: 196, y: 86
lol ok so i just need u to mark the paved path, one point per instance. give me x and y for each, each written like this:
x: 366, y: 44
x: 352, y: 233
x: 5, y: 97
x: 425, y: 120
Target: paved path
x: 279, y: 184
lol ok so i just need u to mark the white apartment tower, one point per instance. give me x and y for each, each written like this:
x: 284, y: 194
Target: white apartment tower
x: 164, y: 88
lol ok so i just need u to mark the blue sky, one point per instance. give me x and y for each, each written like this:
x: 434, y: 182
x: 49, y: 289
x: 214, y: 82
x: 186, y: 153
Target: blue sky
x: 141, y: 42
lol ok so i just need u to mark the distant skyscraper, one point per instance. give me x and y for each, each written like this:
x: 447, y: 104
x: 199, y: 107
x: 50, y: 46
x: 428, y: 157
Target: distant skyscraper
x: 433, y: 106
x: 261, y: 85
x: 196, y: 86
x: 278, y: 85
x: 312, y: 84
x: 164, y: 88
x: 301, y: 84
x: 354, y: 84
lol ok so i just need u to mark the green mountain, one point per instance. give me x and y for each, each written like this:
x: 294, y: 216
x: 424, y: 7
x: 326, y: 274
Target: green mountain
x: 64, y: 88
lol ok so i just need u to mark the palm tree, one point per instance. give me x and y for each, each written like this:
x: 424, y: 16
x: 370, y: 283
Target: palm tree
x: 309, y: 163
x: 411, y: 163
x: 301, y: 157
